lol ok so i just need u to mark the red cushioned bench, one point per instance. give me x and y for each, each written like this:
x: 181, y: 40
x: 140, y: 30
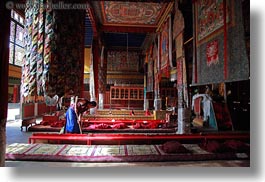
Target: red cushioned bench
x: 57, y: 137
x: 126, y: 121
x: 88, y: 138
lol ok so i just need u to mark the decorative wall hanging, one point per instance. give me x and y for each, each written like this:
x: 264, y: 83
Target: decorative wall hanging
x: 179, y: 46
x: 220, y: 48
x: 38, y: 39
x: 210, y: 16
x: 117, y: 61
x: 164, y: 49
x: 53, y: 62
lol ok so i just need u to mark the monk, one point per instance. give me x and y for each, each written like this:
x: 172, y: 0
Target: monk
x: 73, y: 115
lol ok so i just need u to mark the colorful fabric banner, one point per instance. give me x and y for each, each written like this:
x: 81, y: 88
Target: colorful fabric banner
x: 53, y: 62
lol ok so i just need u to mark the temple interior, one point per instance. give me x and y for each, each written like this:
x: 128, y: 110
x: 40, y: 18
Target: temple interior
x: 169, y: 77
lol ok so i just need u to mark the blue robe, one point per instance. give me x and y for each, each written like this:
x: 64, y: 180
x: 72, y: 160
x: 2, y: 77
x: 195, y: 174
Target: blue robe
x: 71, y: 125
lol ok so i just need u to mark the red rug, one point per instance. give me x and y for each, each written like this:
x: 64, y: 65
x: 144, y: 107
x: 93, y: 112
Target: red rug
x: 111, y: 153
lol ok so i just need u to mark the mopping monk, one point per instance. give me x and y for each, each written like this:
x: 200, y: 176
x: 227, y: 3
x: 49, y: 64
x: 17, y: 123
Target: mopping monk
x: 74, y: 112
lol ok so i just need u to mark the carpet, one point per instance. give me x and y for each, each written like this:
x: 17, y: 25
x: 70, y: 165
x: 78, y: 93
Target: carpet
x: 111, y: 153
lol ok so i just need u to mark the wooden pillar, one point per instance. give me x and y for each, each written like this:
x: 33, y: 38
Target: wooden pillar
x: 4, y: 56
x: 183, y: 110
x: 157, y: 99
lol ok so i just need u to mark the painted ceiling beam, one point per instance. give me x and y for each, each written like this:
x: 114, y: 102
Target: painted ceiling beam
x: 129, y: 29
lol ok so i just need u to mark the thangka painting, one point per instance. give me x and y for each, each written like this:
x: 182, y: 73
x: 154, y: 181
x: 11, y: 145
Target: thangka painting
x: 123, y: 61
x: 164, y: 47
x: 213, y: 63
x: 209, y: 17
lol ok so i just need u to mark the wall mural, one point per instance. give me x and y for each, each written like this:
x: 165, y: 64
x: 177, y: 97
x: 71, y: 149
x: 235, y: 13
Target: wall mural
x: 132, y: 12
x: 120, y: 61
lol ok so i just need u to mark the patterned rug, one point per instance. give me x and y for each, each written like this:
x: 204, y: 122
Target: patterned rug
x: 111, y: 153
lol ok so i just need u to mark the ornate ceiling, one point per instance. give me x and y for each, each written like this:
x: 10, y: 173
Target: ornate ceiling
x: 137, y: 18
x: 131, y: 13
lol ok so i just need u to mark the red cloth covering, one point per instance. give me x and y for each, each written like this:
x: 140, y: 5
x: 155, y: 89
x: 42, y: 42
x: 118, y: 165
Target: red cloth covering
x: 235, y: 146
x: 58, y: 124
x: 174, y: 147
x: 147, y: 113
x: 45, y: 123
x: 227, y: 146
x: 211, y: 146
x: 151, y: 125
x: 119, y: 126
x: 223, y: 117
x: 137, y: 126
x: 99, y: 126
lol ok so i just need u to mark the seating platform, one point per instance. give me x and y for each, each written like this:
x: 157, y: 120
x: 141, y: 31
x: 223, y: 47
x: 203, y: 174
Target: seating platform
x: 110, y: 126
x: 89, y: 138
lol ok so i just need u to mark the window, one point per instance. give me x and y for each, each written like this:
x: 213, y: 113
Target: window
x: 16, y: 45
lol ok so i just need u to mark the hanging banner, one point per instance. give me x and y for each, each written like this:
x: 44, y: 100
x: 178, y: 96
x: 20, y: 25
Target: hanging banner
x: 179, y: 46
x: 180, y: 71
x: 213, y: 62
x: 164, y: 48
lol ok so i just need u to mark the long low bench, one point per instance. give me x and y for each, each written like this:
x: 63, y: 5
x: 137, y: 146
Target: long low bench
x: 88, y: 138
x: 118, y: 117
x: 57, y: 137
x: 125, y: 121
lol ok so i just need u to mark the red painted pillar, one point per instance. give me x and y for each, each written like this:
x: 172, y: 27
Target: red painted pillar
x: 15, y: 94
x: 4, y: 56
